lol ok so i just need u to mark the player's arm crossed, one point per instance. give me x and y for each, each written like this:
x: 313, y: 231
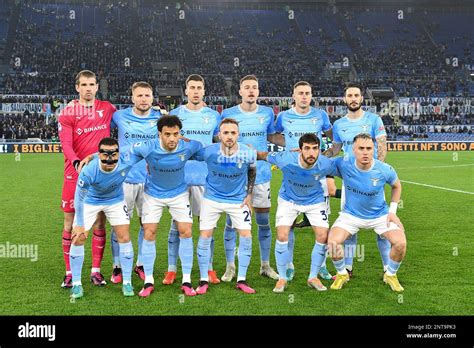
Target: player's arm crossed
x: 277, y: 139
x: 381, y: 147
x: 333, y: 150
x: 251, y: 176
x: 392, y: 213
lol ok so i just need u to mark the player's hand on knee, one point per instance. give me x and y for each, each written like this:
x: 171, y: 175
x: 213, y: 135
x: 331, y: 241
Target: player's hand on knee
x: 78, y: 234
x: 391, y: 217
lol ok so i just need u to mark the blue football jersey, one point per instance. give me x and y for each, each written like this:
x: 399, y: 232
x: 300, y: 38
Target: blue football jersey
x: 293, y: 125
x: 364, y: 190
x: 133, y: 128
x: 301, y: 185
x: 254, y: 128
x: 345, y: 129
x: 201, y: 125
x: 98, y: 187
x: 166, y: 178
x: 227, y: 179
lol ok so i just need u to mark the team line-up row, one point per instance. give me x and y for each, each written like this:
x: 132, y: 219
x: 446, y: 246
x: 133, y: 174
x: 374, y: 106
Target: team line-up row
x: 151, y: 170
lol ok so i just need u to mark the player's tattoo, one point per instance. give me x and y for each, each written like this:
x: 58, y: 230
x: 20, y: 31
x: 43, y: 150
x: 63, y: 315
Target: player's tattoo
x: 333, y: 150
x: 381, y: 148
x: 251, y: 175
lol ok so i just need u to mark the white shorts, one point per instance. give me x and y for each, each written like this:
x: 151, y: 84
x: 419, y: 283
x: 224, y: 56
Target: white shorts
x: 178, y: 207
x: 117, y: 214
x: 196, y: 194
x: 352, y: 224
x: 261, y: 196
x: 287, y: 213
x: 134, y: 197
x: 324, y: 185
x: 211, y: 211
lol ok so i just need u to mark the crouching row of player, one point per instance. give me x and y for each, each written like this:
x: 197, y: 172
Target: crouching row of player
x: 229, y: 186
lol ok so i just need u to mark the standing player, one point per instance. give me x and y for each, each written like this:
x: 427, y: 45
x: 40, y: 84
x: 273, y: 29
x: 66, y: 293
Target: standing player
x: 293, y: 123
x: 256, y: 127
x: 301, y: 192
x: 202, y: 124
x: 81, y: 126
x: 99, y: 189
x: 365, y: 207
x: 358, y: 121
x: 135, y: 124
x: 166, y: 187
x: 229, y: 186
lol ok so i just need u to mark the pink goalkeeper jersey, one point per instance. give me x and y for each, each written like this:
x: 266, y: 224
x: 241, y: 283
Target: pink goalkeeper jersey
x: 81, y: 128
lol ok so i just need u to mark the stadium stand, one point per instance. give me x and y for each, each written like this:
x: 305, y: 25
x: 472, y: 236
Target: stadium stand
x: 415, y: 56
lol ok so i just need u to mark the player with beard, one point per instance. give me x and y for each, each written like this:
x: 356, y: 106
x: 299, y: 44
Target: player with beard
x: 358, y: 121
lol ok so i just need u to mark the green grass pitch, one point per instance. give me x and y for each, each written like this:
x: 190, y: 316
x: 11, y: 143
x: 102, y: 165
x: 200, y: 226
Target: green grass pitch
x: 437, y: 271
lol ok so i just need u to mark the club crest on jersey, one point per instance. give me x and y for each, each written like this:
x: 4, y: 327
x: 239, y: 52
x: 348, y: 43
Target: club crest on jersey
x: 81, y: 183
x: 314, y: 120
x: 182, y: 156
x: 239, y: 164
x: 261, y: 119
x: 122, y: 173
x: 153, y: 123
x: 365, y: 128
x: 316, y: 177
x: 206, y: 120
x: 374, y: 181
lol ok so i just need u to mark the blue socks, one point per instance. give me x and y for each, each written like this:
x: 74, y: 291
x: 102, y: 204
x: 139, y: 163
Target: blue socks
x: 115, y: 248
x: 204, y: 255
x: 186, y: 257
x: 350, y: 246
x: 264, y: 235
x: 282, y: 256
x: 230, y: 241
x: 126, y: 261
x: 173, y: 247
x: 318, y: 256
x: 340, y: 266
x: 384, y: 249
x: 141, y: 233
x: 148, y: 258
x: 291, y: 245
x: 392, y: 267
x: 211, y: 257
x: 245, y: 253
x: 76, y: 259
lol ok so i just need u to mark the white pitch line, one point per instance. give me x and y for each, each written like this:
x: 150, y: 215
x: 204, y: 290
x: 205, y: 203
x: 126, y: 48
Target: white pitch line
x: 438, y: 187
x: 453, y: 166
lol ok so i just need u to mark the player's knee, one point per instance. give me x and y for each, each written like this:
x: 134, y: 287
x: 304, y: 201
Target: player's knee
x: 245, y: 233
x: 185, y: 234
x: 401, y: 245
x: 79, y: 240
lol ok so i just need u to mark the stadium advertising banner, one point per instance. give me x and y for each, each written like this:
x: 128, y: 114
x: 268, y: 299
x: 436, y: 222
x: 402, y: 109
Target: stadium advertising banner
x: 22, y: 107
x: 430, y: 146
x: 31, y: 148
x: 392, y: 146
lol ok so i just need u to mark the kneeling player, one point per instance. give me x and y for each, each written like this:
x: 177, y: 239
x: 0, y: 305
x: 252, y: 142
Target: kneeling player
x: 99, y: 189
x: 365, y: 207
x: 301, y: 192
